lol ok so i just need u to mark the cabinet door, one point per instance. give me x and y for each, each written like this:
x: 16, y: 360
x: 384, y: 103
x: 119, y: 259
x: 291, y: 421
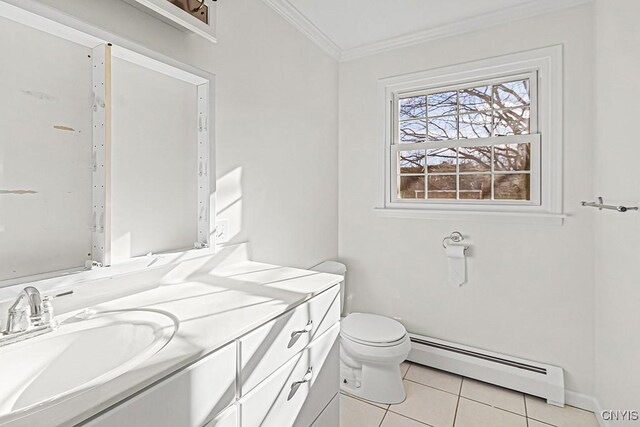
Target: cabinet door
x: 271, y: 345
x: 189, y: 398
x: 297, y: 392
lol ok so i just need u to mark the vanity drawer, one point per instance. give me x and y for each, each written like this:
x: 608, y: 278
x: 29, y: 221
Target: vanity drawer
x: 297, y: 393
x: 271, y: 345
x: 189, y: 398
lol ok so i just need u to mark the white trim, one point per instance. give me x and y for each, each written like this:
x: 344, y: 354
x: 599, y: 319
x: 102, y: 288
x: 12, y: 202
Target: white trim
x: 523, y: 11
x: 547, y: 62
x: 204, y: 167
x: 101, y: 155
x: 292, y: 15
x: 502, y: 217
x: 488, y: 20
x: 586, y: 402
x: 156, y: 65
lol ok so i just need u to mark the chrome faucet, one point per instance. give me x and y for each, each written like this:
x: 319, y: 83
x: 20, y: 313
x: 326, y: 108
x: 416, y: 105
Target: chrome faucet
x: 17, y: 320
x: 29, y: 316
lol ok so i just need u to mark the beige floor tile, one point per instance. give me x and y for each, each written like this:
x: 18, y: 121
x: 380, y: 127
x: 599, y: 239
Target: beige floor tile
x: 474, y: 414
x: 394, y: 420
x: 379, y: 405
x: 536, y: 423
x: 427, y: 405
x: 404, y: 367
x: 356, y: 413
x: 434, y: 378
x: 568, y: 416
x: 492, y: 395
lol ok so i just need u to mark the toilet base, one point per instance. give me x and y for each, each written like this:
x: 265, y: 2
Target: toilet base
x: 380, y: 383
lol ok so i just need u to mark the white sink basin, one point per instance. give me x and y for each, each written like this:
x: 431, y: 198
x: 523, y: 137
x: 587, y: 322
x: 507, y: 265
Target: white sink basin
x: 80, y: 354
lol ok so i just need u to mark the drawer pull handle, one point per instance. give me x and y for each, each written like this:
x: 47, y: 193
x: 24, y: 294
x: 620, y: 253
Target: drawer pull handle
x: 296, y: 385
x: 306, y: 329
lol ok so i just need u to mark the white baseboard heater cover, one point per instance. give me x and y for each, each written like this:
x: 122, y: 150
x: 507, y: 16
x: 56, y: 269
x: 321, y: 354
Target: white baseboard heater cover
x: 537, y: 379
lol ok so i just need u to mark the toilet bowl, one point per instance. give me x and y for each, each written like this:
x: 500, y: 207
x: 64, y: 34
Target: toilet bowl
x: 372, y: 347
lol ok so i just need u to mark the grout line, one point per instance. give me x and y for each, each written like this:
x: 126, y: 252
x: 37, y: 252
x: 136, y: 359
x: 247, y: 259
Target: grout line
x: 383, y: 417
x: 363, y: 400
x: 412, y: 419
x: 526, y: 413
x: 491, y: 406
x: 435, y: 388
x: 455, y: 414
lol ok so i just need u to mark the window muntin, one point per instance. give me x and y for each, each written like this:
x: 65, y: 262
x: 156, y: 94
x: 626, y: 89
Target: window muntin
x: 472, y: 143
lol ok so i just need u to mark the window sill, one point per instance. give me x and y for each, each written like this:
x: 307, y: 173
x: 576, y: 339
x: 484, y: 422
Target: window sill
x: 503, y: 217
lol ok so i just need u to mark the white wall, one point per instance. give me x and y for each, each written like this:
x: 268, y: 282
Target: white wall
x: 616, y: 179
x: 530, y: 287
x: 45, y: 152
x: 276, y: 121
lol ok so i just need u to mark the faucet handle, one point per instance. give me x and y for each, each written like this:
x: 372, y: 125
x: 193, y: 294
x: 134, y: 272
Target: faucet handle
x: 18, y: 320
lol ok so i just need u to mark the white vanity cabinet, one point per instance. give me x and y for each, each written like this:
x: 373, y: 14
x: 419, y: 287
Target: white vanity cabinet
x: 290, y: 367
x: 196, y: 396
x: 284, y: 373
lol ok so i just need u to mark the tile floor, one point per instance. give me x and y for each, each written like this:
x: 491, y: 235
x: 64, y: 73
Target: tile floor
x: 440, y: 399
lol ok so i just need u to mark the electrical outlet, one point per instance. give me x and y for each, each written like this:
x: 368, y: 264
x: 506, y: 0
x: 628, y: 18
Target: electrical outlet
x: 222, y: 231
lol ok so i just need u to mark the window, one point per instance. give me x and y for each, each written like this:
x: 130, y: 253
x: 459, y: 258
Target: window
x: 468, y: 137
x: 471, y: 143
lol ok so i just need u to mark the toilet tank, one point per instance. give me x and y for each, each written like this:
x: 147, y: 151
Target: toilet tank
x: 338, y: 268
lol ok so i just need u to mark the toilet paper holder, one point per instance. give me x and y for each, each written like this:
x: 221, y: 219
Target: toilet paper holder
x: 455, y: 237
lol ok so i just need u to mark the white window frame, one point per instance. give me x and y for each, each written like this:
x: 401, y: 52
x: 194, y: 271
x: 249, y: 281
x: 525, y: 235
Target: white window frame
x: 544, y: 69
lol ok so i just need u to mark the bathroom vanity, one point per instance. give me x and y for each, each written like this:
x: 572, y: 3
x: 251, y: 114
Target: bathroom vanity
x: 249, y: 344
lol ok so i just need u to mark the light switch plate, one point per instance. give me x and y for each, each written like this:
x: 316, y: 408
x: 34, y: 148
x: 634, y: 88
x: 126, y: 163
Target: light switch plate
x: 222, y: 230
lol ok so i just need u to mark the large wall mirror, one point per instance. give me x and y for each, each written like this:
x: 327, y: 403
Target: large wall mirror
x: 104, y: 150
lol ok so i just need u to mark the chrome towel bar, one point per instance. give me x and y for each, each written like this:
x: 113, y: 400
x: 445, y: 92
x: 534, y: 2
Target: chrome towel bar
x: 600, y: 205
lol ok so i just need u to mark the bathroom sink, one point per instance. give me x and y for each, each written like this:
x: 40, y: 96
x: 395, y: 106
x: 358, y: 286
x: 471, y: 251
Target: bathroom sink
x: 87, y: 349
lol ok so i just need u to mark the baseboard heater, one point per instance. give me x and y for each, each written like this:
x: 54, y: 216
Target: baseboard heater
x: 537, y: 379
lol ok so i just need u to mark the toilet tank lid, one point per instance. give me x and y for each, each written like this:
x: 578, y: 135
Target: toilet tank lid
x: 332, y: 267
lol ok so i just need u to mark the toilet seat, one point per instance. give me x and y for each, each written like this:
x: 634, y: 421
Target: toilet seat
x: 372, y: 330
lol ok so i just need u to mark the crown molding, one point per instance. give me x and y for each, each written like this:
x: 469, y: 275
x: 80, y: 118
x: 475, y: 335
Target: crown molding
x: 306, y: 27
x: 515, y: 13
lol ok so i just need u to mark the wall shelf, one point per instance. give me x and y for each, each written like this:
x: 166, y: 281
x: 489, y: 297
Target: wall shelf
x: 175, y: 16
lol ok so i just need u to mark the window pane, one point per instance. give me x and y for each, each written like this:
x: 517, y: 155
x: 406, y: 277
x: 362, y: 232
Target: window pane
x: 512, y: 122
x: 442, y: 187
x: 512, y: 187
x: 443, y: 103
x: 413, y: 108
x: 512, y: 157
x: 475, y: 125
x: 474, y: 159
x: 411, y: 187
x: 411, y: 161
x: 475, y: 99
x: 440, y: 160
x: 412, y: 131
x: 443, y: 128
x: 476, y: 187
x: 511, y: 94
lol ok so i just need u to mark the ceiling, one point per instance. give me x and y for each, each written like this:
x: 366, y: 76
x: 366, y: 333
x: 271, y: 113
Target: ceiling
x: 347, y: 29
x: 354, y: 23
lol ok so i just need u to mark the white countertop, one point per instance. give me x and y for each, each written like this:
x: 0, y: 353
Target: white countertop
x: 215, y: 305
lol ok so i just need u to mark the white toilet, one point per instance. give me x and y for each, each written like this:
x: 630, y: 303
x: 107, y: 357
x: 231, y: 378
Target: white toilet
x: 371, y: 350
